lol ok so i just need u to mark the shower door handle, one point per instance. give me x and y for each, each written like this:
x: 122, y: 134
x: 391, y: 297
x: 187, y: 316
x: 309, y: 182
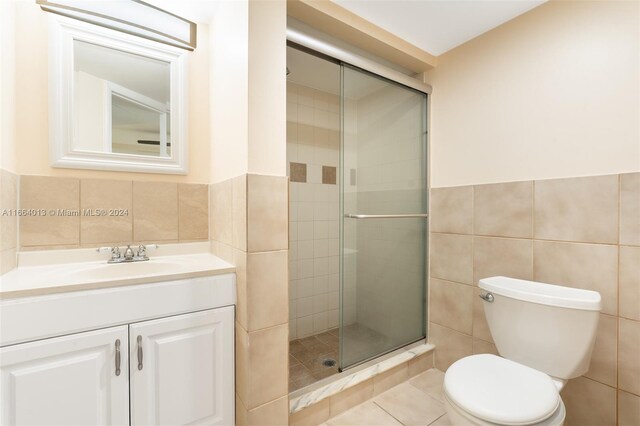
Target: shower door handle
x: 386, y: 216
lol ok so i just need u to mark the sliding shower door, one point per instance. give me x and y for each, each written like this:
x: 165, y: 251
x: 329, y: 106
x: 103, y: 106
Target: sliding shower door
x: 383, y: 225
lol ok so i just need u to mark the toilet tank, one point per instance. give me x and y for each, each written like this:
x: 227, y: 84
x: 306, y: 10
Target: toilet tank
x: 546, y: 327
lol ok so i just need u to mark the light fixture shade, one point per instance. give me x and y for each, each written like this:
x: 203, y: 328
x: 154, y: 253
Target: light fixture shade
x: 130, y: 16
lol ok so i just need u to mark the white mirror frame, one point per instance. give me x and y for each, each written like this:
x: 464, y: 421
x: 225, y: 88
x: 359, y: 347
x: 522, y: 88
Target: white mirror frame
x: 62, y: 33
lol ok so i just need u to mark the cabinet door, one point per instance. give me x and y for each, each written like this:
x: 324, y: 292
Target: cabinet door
x: 182, y: 369
x: 68, y: 380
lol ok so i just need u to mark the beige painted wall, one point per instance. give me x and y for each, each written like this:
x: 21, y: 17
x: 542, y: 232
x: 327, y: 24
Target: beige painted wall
x: 229, y: 91
x: 7, y: 79
x: 552, y: 93
x: 267, y: 84
x: 31, y: 106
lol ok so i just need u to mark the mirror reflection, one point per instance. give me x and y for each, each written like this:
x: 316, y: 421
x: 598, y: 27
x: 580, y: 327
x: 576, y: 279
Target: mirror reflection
x: 122, y: 102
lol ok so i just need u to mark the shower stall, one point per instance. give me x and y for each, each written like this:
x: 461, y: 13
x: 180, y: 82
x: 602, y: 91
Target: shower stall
x: 357, y: 161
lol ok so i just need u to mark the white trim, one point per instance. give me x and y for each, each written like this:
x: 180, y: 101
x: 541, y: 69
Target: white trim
x: 62, y: 33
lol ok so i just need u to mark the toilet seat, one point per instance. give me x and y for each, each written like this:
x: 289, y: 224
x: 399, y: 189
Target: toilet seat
x: 499, y: 391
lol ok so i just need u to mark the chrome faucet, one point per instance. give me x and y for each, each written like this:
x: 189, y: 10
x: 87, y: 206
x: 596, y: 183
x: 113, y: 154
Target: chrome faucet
x: 129, y: 255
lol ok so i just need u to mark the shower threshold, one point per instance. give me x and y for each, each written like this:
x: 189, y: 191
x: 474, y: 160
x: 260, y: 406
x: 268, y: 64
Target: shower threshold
x: 339, y: 382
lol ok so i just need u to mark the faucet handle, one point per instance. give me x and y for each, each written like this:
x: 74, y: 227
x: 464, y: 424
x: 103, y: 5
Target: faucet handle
x: 142, y: 251
x: 128, y: 253
x: 114, y: 251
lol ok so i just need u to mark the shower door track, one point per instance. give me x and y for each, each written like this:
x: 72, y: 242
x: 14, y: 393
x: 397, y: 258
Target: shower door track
x: 332, y: 51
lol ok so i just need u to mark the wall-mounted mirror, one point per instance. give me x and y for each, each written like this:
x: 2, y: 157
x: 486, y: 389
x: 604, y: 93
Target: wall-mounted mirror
x: 118, y: 101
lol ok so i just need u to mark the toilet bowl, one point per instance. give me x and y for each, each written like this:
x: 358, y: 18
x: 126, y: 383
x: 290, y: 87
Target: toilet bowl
x: 489, y: 390
x: 544, y: 334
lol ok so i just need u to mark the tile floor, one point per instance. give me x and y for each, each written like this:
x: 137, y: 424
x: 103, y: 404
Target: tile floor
x: 417, y: 402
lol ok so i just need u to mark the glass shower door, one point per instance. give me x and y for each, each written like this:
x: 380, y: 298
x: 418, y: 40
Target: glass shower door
x: 383, y: 224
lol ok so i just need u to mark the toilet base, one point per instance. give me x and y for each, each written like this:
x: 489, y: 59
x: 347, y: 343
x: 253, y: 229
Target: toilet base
x: 459, y: 417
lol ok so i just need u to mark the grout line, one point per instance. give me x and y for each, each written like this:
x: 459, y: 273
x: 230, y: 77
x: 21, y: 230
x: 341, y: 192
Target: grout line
x: 382, y: 408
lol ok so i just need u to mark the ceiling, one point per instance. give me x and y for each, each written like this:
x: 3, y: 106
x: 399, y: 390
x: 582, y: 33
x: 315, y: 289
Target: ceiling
x: 438, y: 26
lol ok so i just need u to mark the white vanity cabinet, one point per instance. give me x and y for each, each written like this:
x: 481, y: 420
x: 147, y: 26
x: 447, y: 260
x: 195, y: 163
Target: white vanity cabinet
x: 168, y: 362
x: 68, y: 380
x: 180, y: 369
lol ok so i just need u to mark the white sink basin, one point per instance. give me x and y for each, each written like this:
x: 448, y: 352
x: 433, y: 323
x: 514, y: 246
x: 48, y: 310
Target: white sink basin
x: 61, y: 276
x: 119, y: 270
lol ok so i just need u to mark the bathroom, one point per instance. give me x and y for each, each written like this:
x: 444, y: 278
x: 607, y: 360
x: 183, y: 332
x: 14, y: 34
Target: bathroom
x: 333, y: 182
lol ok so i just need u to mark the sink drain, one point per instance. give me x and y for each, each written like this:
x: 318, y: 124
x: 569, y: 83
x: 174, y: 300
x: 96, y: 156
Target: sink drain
x: 329, y: 362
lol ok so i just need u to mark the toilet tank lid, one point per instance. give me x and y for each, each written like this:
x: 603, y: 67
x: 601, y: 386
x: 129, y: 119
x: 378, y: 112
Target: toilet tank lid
x: 544, y: 294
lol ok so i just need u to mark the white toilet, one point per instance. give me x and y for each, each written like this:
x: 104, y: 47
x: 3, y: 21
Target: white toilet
x: 545, y: 334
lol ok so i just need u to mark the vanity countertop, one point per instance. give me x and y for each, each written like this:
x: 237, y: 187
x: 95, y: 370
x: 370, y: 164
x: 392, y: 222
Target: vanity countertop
x: 59, y: 271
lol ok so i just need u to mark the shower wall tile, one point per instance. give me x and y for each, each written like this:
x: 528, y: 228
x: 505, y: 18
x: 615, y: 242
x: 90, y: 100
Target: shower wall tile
x: 504, y: 209
x: 452, y: 209
x: 578, y: 241
x: 313, y: 154
x: 577, y: 209
x: 298, y: 172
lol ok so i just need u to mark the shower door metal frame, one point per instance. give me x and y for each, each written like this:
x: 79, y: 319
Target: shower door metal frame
x: 426, y: 198
x: 332, y: 53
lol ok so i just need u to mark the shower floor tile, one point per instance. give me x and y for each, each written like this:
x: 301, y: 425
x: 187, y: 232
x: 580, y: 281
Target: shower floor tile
x: 307, y: 355
x: 306, y: 358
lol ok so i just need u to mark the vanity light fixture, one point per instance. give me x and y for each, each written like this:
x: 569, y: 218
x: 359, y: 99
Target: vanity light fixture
x: 129, y: 16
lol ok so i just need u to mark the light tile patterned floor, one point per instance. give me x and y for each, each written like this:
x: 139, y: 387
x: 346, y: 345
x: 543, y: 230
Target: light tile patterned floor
x: 417, y: 402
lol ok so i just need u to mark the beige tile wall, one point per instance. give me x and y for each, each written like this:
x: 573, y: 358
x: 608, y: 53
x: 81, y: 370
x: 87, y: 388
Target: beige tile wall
x: 8, y: 221
x: 137, y: 212
x: 249, y: 228
x: 579, y: 232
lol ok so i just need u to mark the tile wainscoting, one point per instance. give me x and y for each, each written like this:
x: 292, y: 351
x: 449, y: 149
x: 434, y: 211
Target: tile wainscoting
x: 579, y: 232
x: 130, y: 211
x: 249, y: 228
x: 8, y: 222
